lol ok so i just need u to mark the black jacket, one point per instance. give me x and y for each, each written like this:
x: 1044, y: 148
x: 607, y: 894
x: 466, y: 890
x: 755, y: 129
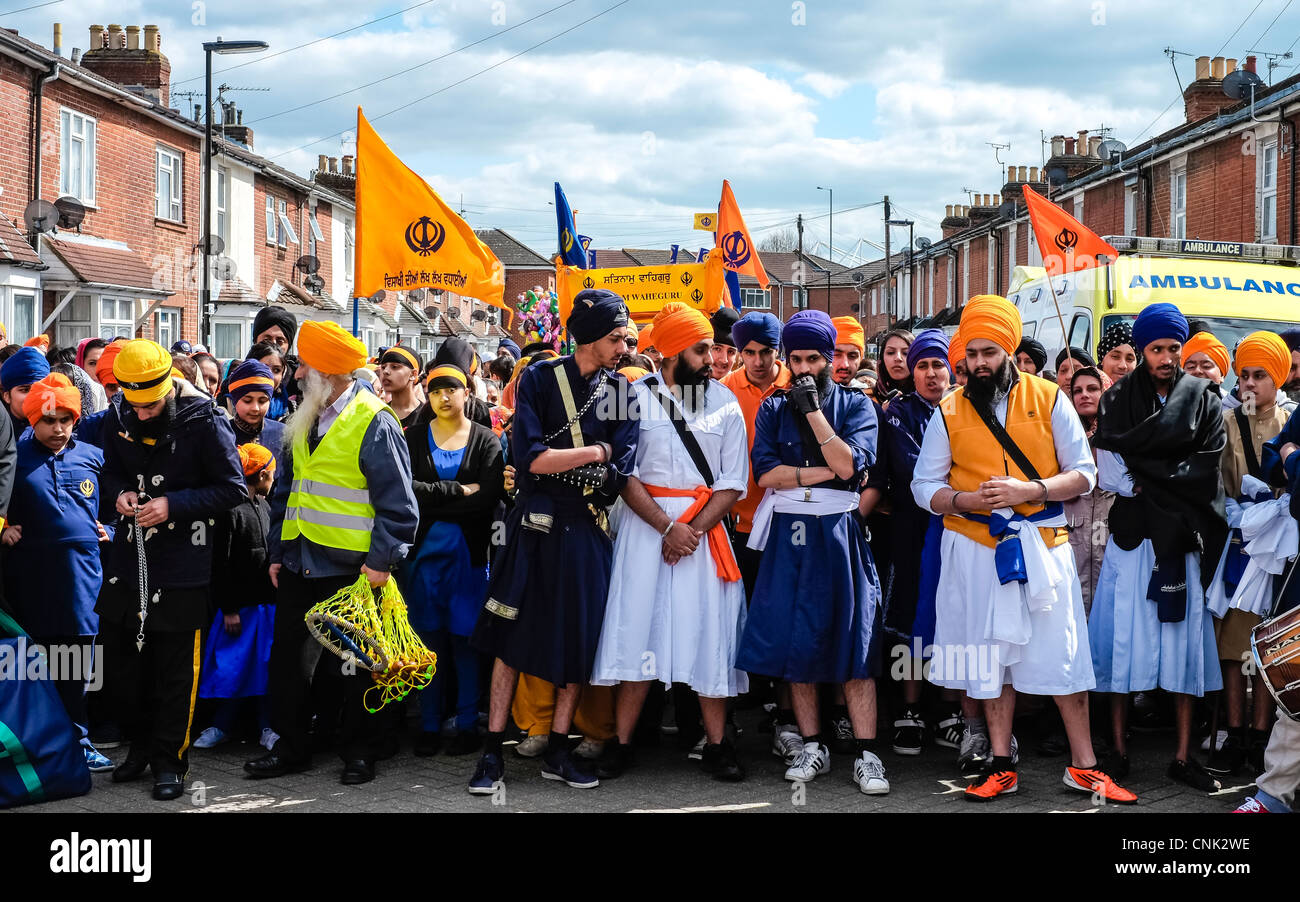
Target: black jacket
x: 240, y: 576
x: 444, y: 499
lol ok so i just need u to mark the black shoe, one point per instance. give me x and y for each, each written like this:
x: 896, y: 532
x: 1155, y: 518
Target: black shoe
x: 132, y: 768
x: 614, y: 760
x: 465, y: 742
x: 356, y: 772
x: 1228, y: 759
x: 1190, y: 773
x: 168, y: 786
x: 427, y: 745
x: 273, y: 765
x: 1256, y: 742
x: 1115, y: 766
x: 721, y: 761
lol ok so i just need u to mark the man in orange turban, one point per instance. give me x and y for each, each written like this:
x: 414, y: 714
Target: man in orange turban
x: 676, y: 599
x: 1205, y: 356
x: 104, y: 367
x: 1262, y: 363
x: 850, y: 346
x: 957, y: 358
x: 52, y: 394
x: 646, y: 345
x: 1005, y: 552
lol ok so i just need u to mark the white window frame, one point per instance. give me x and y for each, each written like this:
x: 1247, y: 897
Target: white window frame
x: 289, y: 235
x: 221, y: 198
x: 77, y: 128
x: 119, y: 326
x: 173, y: 319
x: 239, y: 344
x: 755, y: 298
x: 271, y: 224
x: 16, y: 334
x: 1266, y: 192
x: 1178, y: 202
x: 1130, y: 210
x: 314, y: 226
x: 349, y: 240
x: 172, y: 207
x: 69, y: 327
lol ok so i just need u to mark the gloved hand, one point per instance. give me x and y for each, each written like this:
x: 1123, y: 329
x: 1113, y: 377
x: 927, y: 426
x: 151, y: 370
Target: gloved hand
x: 803, y: 394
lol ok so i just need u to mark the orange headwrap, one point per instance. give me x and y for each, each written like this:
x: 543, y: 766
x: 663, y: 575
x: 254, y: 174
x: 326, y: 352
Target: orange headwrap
x: 104, y: 366
x: 678, y: 327
x: 634, y: 373
x: 330, y: 349
x: 645, y: 337
x: 956, y: 349
x: 56, y: 392
x: 1214, y: 349
x: 848, y: 331
x: 254, y: 458
x: 992, y: 318
x: 40, y: 341
x: 1266, y: 350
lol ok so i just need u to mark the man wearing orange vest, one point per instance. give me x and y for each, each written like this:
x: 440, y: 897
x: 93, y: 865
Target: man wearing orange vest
x: 997, y: 461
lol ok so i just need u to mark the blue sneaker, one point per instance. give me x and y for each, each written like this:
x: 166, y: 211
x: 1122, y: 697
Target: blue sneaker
x: 490, y: 772
x: 566, y: 769
x: 96, y: 762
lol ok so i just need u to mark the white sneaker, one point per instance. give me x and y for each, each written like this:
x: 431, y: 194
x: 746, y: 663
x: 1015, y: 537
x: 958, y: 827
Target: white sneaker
x: 269, y: 738
x: 533, y: 746
x: 813, y: 761
x: 869, y: 774
x: 786, y: 742
x: 697, y: 753
x: 589, y: 749
x: 210, y: 738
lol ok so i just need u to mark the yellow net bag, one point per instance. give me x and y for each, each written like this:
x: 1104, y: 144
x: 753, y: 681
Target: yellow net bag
x: 377, y: 637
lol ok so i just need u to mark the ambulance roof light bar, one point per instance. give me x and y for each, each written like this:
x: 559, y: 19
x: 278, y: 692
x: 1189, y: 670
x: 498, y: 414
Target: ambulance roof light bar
x: 1195, y: 247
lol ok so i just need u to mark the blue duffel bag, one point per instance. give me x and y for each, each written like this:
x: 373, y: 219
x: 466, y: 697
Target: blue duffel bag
x: 40, y: 756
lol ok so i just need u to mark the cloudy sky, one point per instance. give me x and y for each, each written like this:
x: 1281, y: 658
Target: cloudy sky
x: 641, y: 107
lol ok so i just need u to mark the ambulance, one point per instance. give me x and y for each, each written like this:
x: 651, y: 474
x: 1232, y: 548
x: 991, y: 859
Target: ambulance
x: 1232, y: 288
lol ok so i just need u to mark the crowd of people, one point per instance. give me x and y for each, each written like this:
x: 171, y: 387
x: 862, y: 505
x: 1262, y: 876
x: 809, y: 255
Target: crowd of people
x: 662, y: 527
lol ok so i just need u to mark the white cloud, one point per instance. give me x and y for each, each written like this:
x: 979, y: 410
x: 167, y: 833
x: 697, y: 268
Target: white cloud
x: 826, y: 85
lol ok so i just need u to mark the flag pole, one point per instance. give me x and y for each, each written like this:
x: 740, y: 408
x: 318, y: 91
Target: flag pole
x: 1051, y: 286
x: 356, y: 245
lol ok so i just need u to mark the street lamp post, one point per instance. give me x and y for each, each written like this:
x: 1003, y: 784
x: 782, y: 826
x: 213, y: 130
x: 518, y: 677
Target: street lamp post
x: 205, y: 294
x: 830, y: 241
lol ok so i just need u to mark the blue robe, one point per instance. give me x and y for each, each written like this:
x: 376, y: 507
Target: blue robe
x: 815, y: 613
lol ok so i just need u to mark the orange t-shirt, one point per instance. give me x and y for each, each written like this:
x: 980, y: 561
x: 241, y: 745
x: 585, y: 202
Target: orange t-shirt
x: 750, y: 397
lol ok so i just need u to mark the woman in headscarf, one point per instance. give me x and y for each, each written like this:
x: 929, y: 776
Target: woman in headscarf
x: 274, y: 357
x: 1115, y: 352
x: 1086, y: 515
x: 892, y: 377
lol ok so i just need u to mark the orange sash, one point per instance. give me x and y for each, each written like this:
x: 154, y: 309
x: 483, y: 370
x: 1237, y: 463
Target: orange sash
x: 724, y: 559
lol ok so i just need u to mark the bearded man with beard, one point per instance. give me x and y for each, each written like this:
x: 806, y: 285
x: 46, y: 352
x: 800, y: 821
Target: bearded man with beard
x: 676, y: 600
x: 170, y: 463
x: 343, y: 507
x: 815, y: 615
x: 997, y: 460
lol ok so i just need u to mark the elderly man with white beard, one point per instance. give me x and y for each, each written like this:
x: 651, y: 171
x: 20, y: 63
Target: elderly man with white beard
x: 344, y: 506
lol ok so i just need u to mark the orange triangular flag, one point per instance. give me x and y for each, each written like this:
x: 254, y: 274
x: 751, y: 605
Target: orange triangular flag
x: 408, y: 238
x: 739, y: 253
x: 1067, y: 245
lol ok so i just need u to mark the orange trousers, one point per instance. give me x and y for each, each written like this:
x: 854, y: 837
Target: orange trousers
x: 534, y: 708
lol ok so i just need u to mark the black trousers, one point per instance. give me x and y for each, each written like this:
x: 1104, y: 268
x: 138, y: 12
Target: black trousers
x: 70, y: 658
x: 153, y: 690
x: 298, y: 661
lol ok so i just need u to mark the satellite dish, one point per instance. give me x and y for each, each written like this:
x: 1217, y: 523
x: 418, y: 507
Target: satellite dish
x: 1242, y: 84
x: 858, y: 278
x: 307, y: 263
x: 453, y: 312
x: 223, y: 268
x: 1007, y: 209
x: 923, y: 243
x: 41, y: 216
x: 71, y: 212
x: 378, y: 296
x: 853, y: 308
x: 430, y: 312
x: 478, y: 315
x: 1056, y: 175
x: 492, y: 319
x: 1110, y: 149
x: 314, y: 284
x: 415, y: 295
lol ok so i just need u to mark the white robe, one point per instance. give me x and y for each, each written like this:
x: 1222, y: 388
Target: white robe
x: 1050, y: 656
x: 679, y: 623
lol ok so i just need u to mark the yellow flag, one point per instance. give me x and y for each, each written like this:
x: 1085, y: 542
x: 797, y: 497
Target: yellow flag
x: 706, y: 222
x: 646, y: 289
x: 408, y: 238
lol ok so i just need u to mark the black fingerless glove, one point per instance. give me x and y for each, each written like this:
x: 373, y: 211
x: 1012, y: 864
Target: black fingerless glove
x: 803, y: 394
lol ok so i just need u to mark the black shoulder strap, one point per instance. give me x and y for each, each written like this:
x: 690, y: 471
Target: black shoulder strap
x: 683, y: 431
x: 1247, y: 445
x: 1006, y: 441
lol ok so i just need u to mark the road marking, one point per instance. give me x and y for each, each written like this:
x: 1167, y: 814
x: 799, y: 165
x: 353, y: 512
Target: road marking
x: 748, y: 806
x: 1228, y: 790
x: 952, y: 787
x: 248, y: 801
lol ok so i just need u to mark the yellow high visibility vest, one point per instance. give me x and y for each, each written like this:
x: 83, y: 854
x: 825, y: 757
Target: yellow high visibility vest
x: 329, y: 503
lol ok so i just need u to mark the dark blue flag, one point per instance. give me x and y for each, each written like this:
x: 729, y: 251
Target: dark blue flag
x: 571, y: 249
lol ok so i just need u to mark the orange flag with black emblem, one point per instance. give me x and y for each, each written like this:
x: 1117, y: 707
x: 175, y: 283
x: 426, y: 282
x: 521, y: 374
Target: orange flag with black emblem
x: 408, y: 238
x: 739, y: 253
x: 1067, y: 245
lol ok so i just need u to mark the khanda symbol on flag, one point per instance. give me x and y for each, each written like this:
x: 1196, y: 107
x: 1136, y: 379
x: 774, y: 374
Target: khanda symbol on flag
x: 738, y: 254
x: 1077, y: 246
x: 573, y: 250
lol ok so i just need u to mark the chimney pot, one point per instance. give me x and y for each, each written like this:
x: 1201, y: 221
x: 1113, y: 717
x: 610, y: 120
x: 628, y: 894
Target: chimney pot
x: 96, y: 38
x: 58, y: 39
x: 198, y: 111
x: 1058, y: 145
x: 334, y: 164
x: 1011, y: 173
x: 152, y: 40
x: 115, y: 37
x: 239, y: 117
x: 133, y: 37
x: 1202, y: 68
x: 965, y: 211
x: 1081, y: 145
x: 1069, y: 146
x: 947, y: 211
x: 1249, y: 65
x: 76, y: 55
x: 321, y: 162
x: 1216, y: 68
x: 1033, y: 173
x: 997, y: 200
x: 1022, y: 173
x: 1230, y: 66
x: 347, y: 164
x: 1094, y: 146
x: 988, y: 200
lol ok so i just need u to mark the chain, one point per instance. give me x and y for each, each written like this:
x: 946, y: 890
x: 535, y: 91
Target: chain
x: 591, y: 399
x: 142, y: 576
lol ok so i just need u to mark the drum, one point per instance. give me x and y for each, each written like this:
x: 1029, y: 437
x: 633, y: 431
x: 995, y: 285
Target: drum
x: 1275, y: 646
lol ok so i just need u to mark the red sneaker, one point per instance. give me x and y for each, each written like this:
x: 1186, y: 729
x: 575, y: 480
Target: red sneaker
x: 1091, y: 780
x: 1251, y: 805
x: 992, y: 785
